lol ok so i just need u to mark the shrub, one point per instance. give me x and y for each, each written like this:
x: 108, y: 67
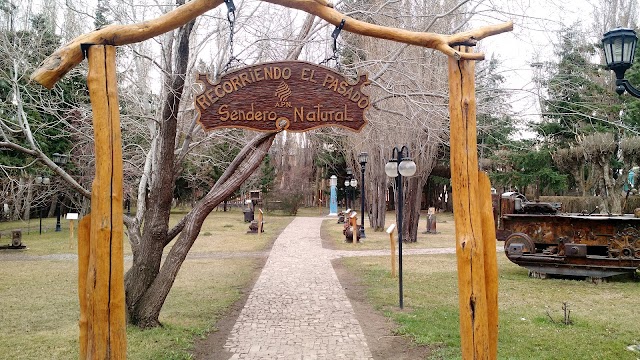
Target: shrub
x: 290, y: 201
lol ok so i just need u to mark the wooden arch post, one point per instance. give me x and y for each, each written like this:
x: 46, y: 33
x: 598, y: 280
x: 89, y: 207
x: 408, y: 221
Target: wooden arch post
x: 473, y: 216
x: 100, y: 235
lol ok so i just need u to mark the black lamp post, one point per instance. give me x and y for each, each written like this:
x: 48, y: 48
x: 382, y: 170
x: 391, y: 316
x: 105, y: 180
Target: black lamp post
x: 354, y: 183
x: 362, y: 159
x: 398, y: 166
x: 347, y: 183
x: 42, y: 180
x: 619, y: 49
x: 60, y: 160
x: 346, y: 193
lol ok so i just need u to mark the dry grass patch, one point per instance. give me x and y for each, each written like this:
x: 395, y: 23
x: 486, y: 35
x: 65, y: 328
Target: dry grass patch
x: 227, y: 232
x: 39, y: 300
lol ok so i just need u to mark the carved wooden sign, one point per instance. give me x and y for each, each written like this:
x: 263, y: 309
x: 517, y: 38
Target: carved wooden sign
x: 286, y: 95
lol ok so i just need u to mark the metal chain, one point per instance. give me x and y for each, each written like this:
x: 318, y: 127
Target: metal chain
x: 334, y: 35
x: 231, y: 17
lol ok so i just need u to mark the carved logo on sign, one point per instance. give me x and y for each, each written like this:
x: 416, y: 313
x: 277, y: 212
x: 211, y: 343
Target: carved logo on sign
x: 287, y: 95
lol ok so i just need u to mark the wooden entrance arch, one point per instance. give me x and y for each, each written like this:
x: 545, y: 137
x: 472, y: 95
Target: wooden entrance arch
x: 101, y: 284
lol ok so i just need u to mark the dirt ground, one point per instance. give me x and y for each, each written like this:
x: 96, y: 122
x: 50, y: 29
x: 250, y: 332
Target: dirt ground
x: 378, y: 329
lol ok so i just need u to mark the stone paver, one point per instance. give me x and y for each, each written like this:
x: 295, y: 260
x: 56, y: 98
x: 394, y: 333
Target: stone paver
x: 297, y: 308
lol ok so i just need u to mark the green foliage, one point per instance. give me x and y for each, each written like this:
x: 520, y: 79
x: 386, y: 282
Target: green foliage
x: 267, y: 175
x: 328, y: 156
x: 495, y: 126
x: 47, y: 112
x: 101, y: 14
x: 198, y: 175
x: 521, y: 168
x: 576, y: 102
x: 631, y: 115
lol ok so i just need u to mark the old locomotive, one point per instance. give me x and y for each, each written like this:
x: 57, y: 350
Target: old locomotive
x: 544, y: 240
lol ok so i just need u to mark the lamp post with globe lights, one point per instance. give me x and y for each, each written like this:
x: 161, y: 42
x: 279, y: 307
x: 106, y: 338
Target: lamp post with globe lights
x: 353, y: 182
x: 347, y: 183
x: 44, y: 181
x: 362, y: 159
x: 60, y: 160
x: 400, y: 165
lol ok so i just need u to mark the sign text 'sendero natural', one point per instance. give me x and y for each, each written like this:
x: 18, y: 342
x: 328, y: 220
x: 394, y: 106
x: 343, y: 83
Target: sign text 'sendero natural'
x: 287, y: 95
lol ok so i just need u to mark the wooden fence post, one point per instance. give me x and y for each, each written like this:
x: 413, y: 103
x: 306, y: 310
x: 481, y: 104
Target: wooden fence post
x: 71, y: 233
x: 392, y: 246
x: 100, y: 235
x: 477, y: 280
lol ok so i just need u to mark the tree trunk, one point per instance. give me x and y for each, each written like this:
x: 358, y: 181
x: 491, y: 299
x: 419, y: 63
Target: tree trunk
x: 378, y: 204
x: 146, y: 309
x: 27, y: 201
x: 54, y: 203
x: 18, y: 195
x: 148, y: 253
x: 614, y: 196
x: 578, y: 175
x: 376, y: 190
x: 412, y: 199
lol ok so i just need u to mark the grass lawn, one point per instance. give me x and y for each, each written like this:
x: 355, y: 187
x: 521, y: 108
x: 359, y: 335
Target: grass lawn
x: 39, y: 301
x: 605, y: 317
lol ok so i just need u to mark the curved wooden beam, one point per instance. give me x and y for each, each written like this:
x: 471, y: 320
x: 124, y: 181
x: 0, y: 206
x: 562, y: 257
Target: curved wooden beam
x: 69, y: 55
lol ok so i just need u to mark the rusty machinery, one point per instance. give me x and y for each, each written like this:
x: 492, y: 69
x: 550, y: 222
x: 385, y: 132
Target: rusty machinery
x: 541, y: 238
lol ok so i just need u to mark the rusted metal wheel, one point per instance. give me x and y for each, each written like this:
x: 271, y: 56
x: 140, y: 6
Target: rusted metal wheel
x: 619, y: 247
x: 625, y: 244
x: 636, y: 249
x: 528, y: 246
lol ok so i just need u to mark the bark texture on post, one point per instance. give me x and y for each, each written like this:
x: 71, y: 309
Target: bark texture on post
x: 490, y: 261
x: 101, y: 277
x: 84, y: 231
x: 477, y: 281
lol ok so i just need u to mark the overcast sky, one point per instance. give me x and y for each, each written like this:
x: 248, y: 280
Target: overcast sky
x: 535, y: 25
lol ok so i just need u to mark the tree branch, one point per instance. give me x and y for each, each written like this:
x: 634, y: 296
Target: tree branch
x: 67, y: 57
x: 48, y: 162
x: 236, y: 173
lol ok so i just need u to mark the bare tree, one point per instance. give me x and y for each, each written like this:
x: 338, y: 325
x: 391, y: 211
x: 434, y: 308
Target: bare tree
x: 409, y: 100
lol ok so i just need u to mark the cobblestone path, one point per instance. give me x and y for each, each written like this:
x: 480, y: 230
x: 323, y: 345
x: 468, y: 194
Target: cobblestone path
x: 297, y: 308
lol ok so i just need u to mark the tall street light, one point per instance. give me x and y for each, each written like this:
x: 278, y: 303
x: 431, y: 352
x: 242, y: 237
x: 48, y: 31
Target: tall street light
x: 398, y: 166
x: 362, y: 159
x: 619, y: 49
x: 42, y: 180
x: 60, y: 160
x: 353, y: 183
x: 346, y: 193
x: 347, y: 183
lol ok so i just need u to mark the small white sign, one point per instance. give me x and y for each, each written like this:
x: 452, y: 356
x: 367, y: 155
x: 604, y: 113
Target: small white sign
x: 72, y: 216
x: 391, y: 228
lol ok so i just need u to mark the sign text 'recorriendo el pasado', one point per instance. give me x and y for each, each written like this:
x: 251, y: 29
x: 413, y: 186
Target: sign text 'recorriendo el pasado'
x: 287, y: 95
